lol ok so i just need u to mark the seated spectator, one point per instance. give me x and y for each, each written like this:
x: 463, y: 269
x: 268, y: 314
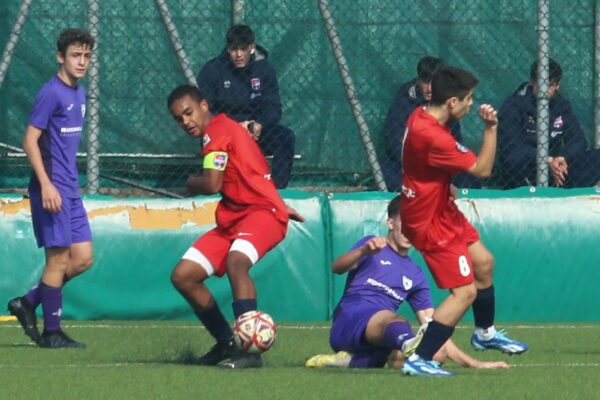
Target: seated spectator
x: 241, y: 83
x: 570, y: 163
x: 411, y: 95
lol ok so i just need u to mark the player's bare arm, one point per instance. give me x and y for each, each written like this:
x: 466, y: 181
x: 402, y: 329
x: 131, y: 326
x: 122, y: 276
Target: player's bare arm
x: 51, y: 199
x: 485, y: 160
x: 209, y: 181
x: 349, y: 260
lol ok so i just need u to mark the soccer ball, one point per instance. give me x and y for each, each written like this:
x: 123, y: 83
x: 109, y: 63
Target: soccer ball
x: 254, y: 331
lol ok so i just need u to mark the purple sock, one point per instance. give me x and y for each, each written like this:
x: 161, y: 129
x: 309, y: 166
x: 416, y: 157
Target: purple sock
x: 33, y: 296
x: 396, y: 333
x: 51, y: 298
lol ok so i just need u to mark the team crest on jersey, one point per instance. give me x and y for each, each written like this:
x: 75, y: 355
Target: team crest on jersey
x: 558, y: 122
x: 406, y: 282
x: 255, y: 82
x: 461, y: 148
x: 82, y: 111
x: 205, y: 140
x: 226, y: 84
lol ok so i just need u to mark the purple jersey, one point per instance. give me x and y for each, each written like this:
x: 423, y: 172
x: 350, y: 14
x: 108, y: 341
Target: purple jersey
x: 385, y: 280
x: 59, y: 112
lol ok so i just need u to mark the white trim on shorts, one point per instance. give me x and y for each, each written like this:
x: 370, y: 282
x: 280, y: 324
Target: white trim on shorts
x: 246, y: 248
x: 196, y: 256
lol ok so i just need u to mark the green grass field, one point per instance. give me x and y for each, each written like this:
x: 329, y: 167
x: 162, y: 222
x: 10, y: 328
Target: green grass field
x: 146, y: 359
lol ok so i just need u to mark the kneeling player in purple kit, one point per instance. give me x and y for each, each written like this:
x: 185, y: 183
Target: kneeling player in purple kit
x: 59, y: 219
x: 366, y: 331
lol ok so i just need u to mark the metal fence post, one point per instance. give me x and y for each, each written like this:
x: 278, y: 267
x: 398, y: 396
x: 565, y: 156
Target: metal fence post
x: 543, y: 116
x: 237, y: 14
x: 93, y: 108
x: 14, y: 38
x: 342, y: 64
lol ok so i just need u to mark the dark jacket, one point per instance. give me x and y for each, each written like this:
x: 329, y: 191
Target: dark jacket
x: 408, y: 98
x: 517, y: 133
x: 250, y: 93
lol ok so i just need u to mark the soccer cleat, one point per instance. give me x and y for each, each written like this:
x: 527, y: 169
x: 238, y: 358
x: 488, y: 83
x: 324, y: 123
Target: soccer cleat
x: 244, y: 360
x: 341, y: 359
x: 499, y: 342
x: 219, y: 352
x: 416, y: 366
x: 409, y: 347
x: 58, y: 340
x: 25, y: 313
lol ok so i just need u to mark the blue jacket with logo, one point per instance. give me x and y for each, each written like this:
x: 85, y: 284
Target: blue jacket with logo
x: 250, y: 93
x: 517, y: 134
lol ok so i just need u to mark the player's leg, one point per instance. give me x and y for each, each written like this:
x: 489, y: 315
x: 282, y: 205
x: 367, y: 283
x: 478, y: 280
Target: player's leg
x: 387, y: 329
x: 81, y: 249
x: 485, y: 335
x: 279, y: 141
x: 201, y: 261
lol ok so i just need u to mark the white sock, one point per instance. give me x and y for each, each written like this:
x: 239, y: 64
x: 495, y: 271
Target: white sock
x: 485, y: 334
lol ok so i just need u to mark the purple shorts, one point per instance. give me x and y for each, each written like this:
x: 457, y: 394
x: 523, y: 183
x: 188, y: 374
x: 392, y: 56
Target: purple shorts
x: 62, y: 229
x: 350, y: 322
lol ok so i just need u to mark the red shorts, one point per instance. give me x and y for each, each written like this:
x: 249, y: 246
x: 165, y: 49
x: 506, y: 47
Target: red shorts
x: 450, y: 263
x: 254, y: 234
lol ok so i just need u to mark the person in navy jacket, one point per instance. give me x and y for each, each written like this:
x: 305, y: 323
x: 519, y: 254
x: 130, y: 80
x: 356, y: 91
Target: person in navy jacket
x: 570, y: 163
x: 241, y: 83
x: 412, y: 94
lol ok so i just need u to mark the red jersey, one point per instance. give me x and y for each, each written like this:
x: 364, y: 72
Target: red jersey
x: 247, y: 184
x: 430, y: 157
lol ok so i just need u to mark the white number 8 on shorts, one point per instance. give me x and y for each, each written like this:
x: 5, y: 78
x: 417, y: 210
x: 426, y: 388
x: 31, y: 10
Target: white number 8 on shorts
x: 463, y: 266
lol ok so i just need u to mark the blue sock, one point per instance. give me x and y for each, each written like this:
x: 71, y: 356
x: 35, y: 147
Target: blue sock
x: 51, y: 299
x: 243, y: 305
x: 484, y: 308
x: 33, y: 296
x: 434, y: 338
x: 396, y: 333
x: 215, y: 323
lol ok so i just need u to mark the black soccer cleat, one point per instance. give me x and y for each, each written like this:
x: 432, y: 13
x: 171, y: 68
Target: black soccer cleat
x: 25, y: 313
x: 58, y: 340
x: 244, y: 360
x: 219, y: 352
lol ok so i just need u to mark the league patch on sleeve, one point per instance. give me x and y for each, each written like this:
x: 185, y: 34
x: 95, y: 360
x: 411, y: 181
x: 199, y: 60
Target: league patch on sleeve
x: 205, y: 140
x: 461, y: 148
x: 216, y: 160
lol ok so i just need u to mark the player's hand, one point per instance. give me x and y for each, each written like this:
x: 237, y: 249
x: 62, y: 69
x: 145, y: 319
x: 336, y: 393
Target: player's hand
x: 51, y: 199
x: 254, y: 128
x: 489, y: 115
x: 453, y: 192
x: 294, y: 215
x: 492, y: 365
x: 559, y: 169
x: 374, y: 245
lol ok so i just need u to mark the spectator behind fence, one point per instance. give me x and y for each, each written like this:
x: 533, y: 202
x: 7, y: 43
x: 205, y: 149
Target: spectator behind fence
x: 570, y: 163
x: 241, y: 83
x: 411, y: 95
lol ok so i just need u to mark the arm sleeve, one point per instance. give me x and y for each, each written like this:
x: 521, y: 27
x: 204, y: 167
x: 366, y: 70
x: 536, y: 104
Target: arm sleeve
x: 270, y: 111
x: 574, y: 139
x: 420, y: 297
x: 208, y: 79
x: 43, y: 108
x: 512, y: 131
x: 447, y: 154
x: 395, y: 126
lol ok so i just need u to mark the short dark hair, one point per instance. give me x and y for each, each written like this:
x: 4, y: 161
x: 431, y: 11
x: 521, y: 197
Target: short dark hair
x: 394, y: 207
x: 239, y: 36
x: 74, y: 35
x: 427, y: 67
x: 451, y: 82
x: 182, y: 91
x: 554, y: 71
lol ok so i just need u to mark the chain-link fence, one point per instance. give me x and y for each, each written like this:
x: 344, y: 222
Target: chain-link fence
x: 341, y: 66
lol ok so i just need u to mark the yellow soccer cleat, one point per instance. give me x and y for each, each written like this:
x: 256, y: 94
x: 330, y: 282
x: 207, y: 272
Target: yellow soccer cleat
x: 338, y: 360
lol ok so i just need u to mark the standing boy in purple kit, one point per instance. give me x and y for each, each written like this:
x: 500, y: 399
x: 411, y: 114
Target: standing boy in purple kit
x: 59, y: 219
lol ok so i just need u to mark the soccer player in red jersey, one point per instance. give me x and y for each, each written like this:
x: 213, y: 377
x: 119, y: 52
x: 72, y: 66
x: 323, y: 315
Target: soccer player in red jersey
x: 251, y: 219
x: 450, y: 245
